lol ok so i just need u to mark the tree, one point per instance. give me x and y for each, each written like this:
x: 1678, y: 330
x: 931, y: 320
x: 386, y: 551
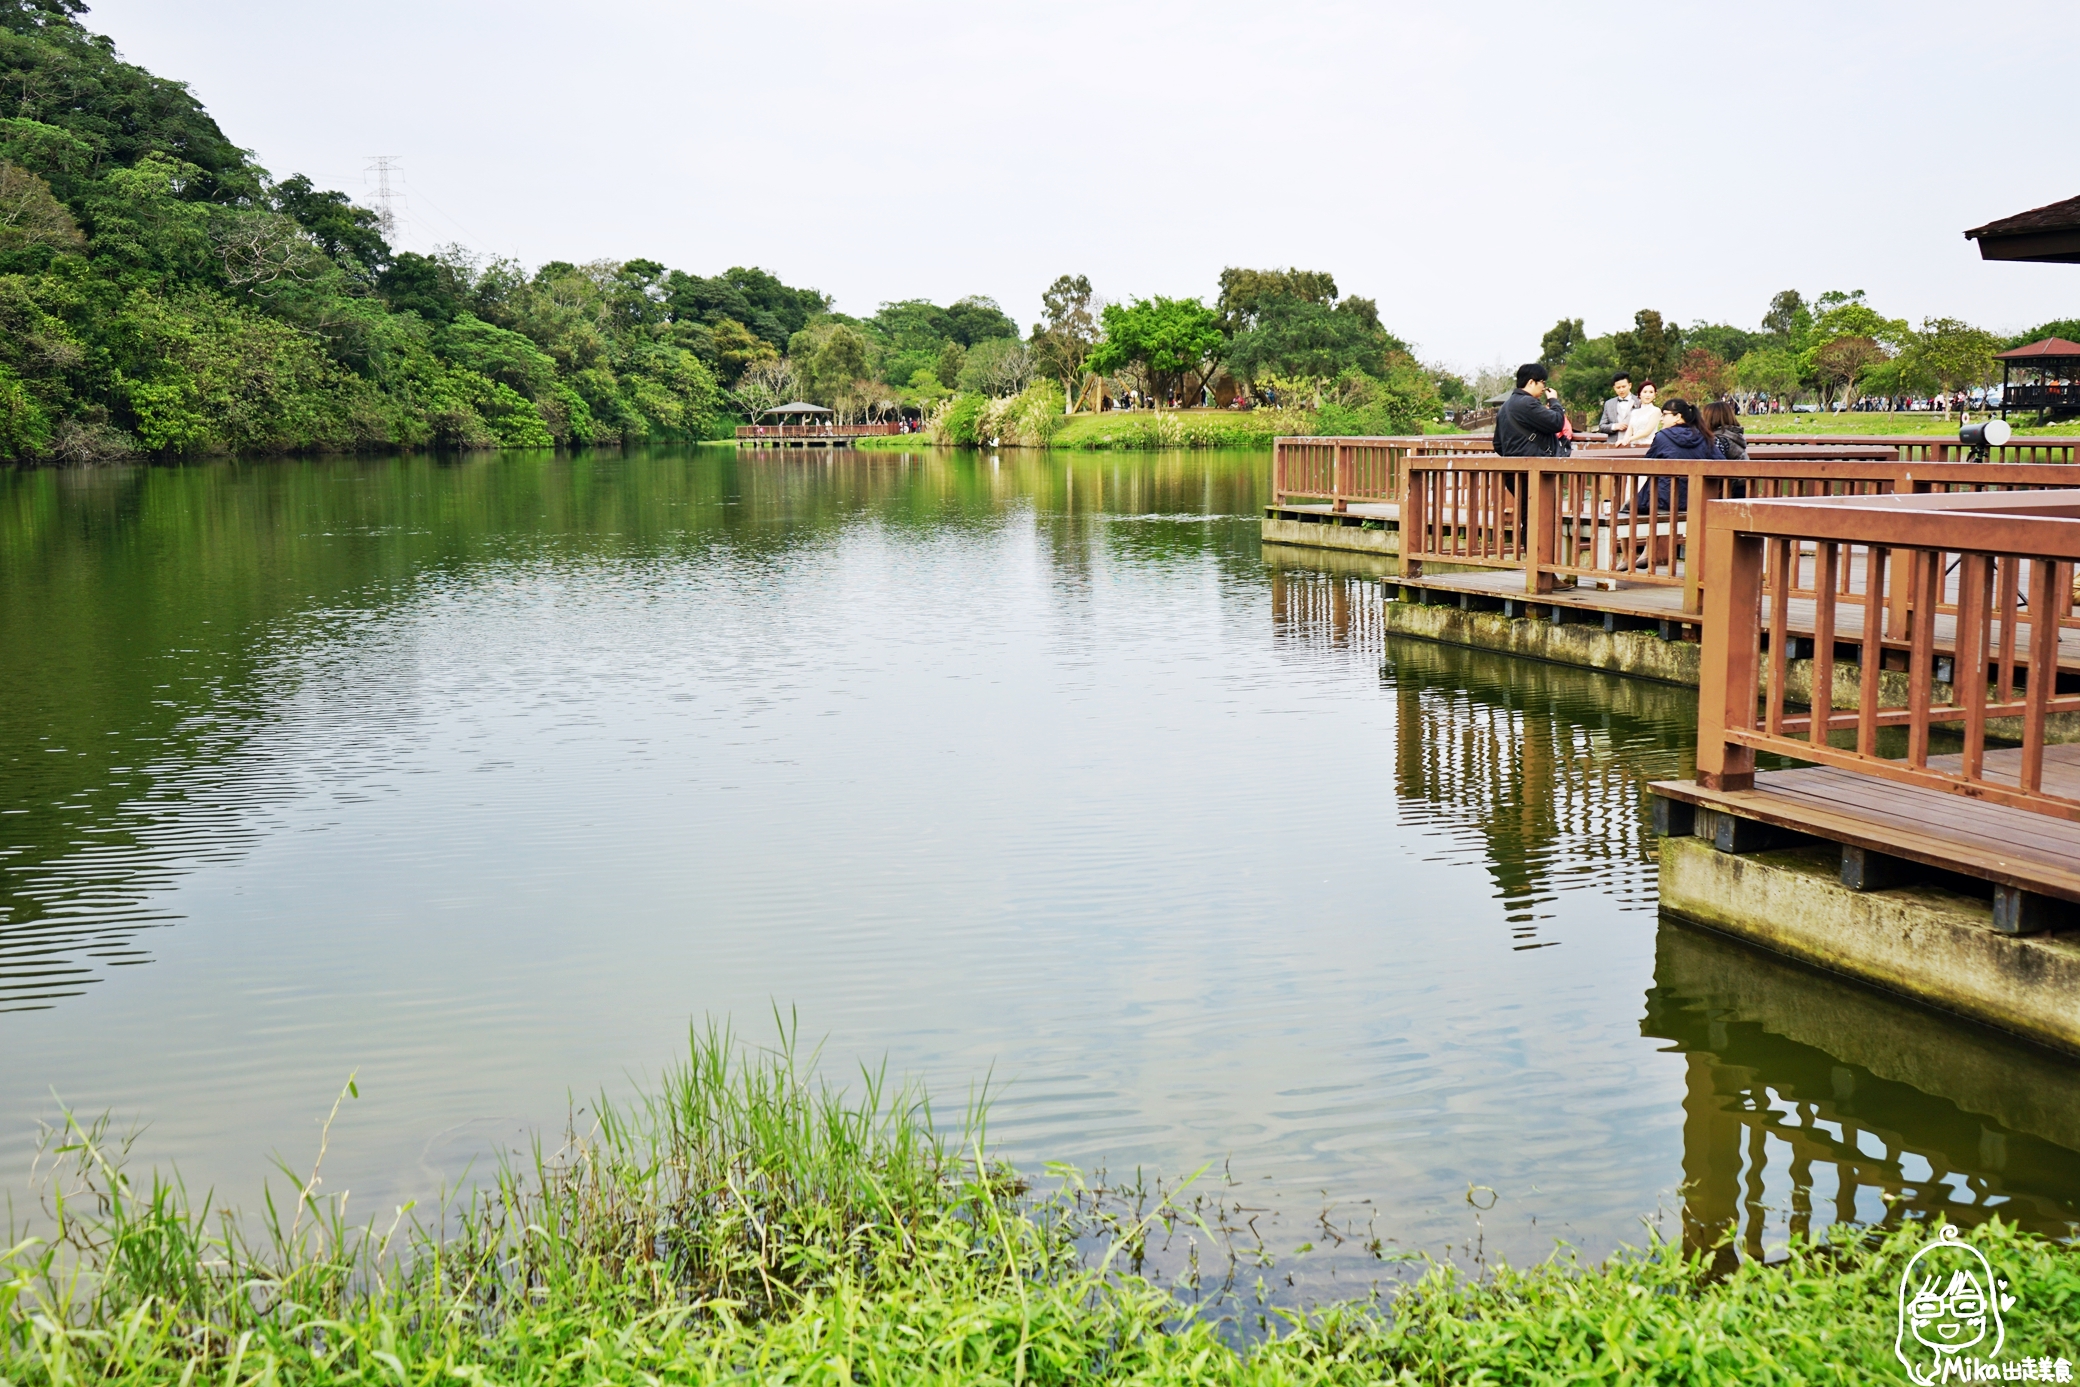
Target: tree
x: 998, y: 367
x: 1787, y: 319
x: 1063, y: 342
x: 1652, y: 351
x: 1841, y: 363
x: 264, y: 251
x: 2068, y: 328
x: 1245, y: 292
x: 764, y: 387
x: 977, y: 318
x: 1171, y: 340
x: 349, y: 235
x: 1584, y: 381
x: 947, y: 365
x: 1704, y: 375
x: 1560, y: 341
x: 1956, y: 355
x: 1771, y: 371
x: 1400, y: 400
x: 1722, y: 340
x: 30, y: 217
x: 828, y: 358
x: 1305, y: 340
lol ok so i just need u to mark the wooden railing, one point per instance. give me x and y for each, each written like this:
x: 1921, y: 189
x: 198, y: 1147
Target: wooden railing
x: 786, y: 431
x: 1929, y: 447
x: 1612, y: 515
x: 1343, y: 470
x: 1997, y: 565
x: 1368, y: 470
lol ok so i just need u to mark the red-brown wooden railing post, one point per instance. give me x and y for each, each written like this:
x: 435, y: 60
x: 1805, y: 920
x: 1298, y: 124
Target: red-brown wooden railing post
x: 1694, y: 543
x: 1411, y: 521
x: 1278, y: 472
x: 1542, y: 500
x: 1726, y: 679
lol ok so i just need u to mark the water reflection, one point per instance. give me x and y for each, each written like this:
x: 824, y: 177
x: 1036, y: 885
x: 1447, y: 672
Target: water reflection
x: 1544, y: 763
x: 160, y: 620
x: 481, y: 776
x: 1812, y: 1100
x: 1807, y: 1099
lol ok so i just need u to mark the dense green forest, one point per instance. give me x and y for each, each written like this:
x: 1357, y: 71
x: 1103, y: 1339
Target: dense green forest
x: 162, y: 294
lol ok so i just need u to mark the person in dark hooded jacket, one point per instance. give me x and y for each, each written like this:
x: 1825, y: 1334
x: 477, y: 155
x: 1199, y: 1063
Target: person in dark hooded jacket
x: 1688, y: 439
x: 1528, y: 425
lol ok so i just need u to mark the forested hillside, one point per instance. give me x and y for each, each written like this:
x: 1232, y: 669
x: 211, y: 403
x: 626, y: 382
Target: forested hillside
x: 161, y: 294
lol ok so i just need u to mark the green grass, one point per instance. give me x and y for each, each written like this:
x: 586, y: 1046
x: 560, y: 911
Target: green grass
x: 1885, y: 425
x: 1152, y: 430
x: 748, y: 1224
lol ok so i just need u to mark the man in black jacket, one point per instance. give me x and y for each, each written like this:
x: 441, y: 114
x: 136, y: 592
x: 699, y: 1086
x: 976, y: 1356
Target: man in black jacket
x: 1528, y: 424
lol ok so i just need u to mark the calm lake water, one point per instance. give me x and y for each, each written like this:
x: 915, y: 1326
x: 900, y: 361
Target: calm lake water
x: 482, y: 778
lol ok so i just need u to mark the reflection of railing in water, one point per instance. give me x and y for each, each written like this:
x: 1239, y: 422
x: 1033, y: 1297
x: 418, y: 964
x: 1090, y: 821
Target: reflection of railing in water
x: 1544, y: 763
x: 1841, y: 1104
x: 1326, y: 609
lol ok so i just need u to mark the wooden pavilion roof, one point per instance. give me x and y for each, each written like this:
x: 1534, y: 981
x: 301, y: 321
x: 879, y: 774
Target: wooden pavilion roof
x: 2038, y: 351
x: 2048, y: 233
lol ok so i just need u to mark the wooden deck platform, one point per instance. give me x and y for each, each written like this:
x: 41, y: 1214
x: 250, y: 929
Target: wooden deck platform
x: 1953, y: 833
x: 1654, y: 602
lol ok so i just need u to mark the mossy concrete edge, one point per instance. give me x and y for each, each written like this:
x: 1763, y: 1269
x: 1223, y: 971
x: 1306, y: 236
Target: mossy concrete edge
x: 1331, y: 535
x: 1640, y: 654
x: 1921, y: 942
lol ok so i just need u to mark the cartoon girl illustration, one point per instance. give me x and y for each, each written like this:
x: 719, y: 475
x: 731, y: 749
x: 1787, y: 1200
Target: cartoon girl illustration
x: 1949, y: 1301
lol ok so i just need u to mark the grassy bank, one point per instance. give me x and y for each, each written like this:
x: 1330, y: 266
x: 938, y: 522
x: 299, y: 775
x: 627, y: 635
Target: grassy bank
x: 747, y: 1224
x: 1143, y: 430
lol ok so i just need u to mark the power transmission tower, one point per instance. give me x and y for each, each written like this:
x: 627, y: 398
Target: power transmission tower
x: 386, y: 213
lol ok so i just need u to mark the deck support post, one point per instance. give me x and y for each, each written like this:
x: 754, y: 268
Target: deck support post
x: 1673, y: 818
x: 2016, y: 911
x: 1865, y: 870
x: 1733, y: 834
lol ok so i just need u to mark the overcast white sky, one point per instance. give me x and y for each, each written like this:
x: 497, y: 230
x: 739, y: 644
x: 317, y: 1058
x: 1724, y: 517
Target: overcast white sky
x: 1480, y: 169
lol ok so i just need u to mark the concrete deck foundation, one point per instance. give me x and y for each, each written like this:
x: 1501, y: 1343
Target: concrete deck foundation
x: 1344, y: 534
x: 1641, y: 654
x: 1923, y: 942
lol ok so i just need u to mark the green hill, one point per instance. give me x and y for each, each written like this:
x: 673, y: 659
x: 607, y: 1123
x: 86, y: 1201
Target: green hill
x: 160, y: 294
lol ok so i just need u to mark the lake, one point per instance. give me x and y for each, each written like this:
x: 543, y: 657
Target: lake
x: 482, y: 778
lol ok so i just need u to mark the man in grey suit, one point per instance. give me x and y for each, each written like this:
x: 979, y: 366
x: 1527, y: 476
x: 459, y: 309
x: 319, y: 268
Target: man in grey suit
x: 1618, y: 408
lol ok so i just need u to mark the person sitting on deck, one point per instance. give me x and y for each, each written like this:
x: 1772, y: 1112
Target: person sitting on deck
x: 1528, y: 425
x: 1724, y: 425
x: 1688, y: 439
x: 1617, y: 410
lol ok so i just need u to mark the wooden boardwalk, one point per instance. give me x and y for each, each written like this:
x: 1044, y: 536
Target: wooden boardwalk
x: 1664, y: 605
x: 1997, y: 843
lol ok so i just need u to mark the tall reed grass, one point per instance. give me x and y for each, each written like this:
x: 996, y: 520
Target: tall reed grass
x: 747, y: 1222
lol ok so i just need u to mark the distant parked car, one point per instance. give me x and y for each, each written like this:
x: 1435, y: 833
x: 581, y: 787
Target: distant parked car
x: 1805, y: 409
